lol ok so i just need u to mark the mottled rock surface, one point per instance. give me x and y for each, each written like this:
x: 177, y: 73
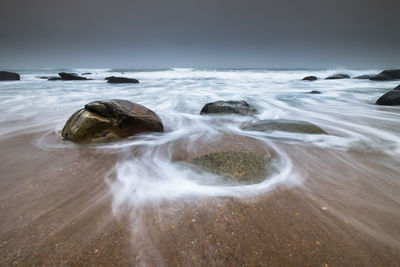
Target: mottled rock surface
x: 104, y: 121
x: 242, y: 167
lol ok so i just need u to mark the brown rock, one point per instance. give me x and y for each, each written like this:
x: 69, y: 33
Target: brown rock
x: 104, y: 121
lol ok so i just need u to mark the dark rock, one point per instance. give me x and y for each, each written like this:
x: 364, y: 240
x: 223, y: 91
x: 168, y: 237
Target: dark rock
x: 9, y: 76
x: 292, y: 126
x: 364, y: 77
x: 228, y: 107
x: 310, y: 78
x: 315, y: 92
x: 113, y: 79
x: 337, y: 76
x: 387, y: 75
x: 55, y: 78
x: 71, y: 76
x: 391, y: 98
x: 397, y: 87
x: 242, y: 167
x: 86, y: 73
x: 103, y: 121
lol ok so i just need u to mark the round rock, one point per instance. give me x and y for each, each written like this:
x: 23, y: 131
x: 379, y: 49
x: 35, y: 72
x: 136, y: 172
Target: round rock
x: 228, y: 107
x: 104, y: 121
x: 391, y: 98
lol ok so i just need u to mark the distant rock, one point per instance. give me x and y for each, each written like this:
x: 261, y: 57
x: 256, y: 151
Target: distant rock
x: 292, y: 126
x: 337, y: 76
x: 242, y: 167
x: 113, y: 79
x: 86, y: 73
x: 228, y: 107
x: 387, y: 75
x: 391, y: 98
x: 310, y: 78
x: 364, y: 77
x: 109, y: 120
x: 71, y: 76
x: 54, y: 78
x: 64, y: 76
x: 9, y: 76
x: 315, y: 92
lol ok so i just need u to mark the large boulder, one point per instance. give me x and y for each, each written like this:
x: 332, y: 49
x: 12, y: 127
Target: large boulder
x: 364, y: 77
x: 113, y: 79
x: 228, y: 107
x: 310, y: 78
x: 391, y: 98
x: 9, y: 76
x: 237, y: 166
x: 103, y: 121
x: 387, y: 75
x: 337, y: 76
x: 293, y: 126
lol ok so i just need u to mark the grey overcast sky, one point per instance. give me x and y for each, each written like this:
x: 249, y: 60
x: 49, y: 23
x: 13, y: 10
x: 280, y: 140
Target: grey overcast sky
x: 200, y: 33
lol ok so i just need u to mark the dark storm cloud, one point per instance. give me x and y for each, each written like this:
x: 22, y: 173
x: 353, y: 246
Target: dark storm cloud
x: 215, y: 33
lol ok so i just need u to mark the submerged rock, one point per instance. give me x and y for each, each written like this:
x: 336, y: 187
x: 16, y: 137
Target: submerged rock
x: 113, y: 79
x: 228, y: 107
x: 292, y: 126
x: 391, y: 98
x: 310, y: 78
x: 315, y: 92
x: 337, y: 76
x: 103, y: 121
x: 243, y: 167
x: 386, y: 75
x: 9, y: 76
x: 364, y: 77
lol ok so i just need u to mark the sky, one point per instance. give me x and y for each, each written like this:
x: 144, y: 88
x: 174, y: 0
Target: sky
x: 200, y: 33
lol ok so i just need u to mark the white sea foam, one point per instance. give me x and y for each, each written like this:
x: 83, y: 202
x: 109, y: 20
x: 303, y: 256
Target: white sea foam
x: 344, y: 109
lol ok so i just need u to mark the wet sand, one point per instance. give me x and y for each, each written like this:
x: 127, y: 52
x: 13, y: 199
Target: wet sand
x: 56, y: 209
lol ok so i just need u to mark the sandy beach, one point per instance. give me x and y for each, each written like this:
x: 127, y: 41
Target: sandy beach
x: 56, y: 209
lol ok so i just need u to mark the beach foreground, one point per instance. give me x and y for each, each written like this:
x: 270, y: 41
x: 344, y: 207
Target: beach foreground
x: 56, y: 210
